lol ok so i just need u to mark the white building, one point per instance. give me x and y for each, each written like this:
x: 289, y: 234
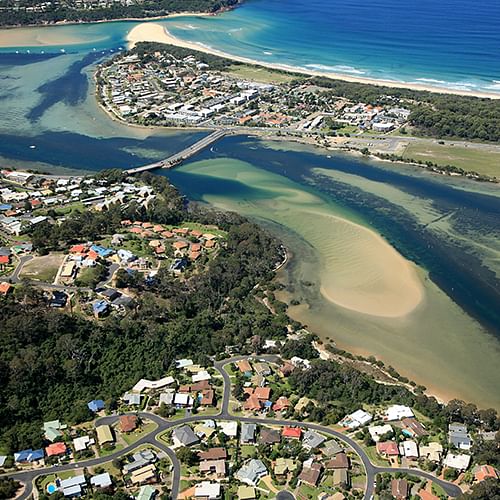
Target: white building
x: 398, y: 412
x: 379, y: 430
x: 356, y: 419
x: 459, y: 462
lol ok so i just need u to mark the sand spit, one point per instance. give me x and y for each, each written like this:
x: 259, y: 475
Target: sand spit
x: 153, y: 32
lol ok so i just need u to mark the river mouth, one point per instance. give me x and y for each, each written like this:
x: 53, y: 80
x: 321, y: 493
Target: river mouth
x: 350, y: 286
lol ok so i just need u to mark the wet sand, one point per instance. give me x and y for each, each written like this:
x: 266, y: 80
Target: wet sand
x: 338, y: 262
x: 153, y: 32
x: 36, y: 37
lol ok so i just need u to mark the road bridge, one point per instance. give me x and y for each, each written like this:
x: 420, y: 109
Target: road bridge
x: 178, y: 158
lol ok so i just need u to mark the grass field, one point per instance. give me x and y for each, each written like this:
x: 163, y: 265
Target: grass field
x: 136, y: 435
x: 260, y: 74
x: 469, y: 158
x: 42, y: 268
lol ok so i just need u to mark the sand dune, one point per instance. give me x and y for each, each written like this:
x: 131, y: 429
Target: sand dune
x: 153, y: 32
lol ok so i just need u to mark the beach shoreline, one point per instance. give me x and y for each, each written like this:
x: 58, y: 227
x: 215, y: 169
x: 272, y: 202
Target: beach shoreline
x: 152, y: 32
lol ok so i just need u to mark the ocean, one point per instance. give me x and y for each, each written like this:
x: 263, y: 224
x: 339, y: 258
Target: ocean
x: 446, y: 43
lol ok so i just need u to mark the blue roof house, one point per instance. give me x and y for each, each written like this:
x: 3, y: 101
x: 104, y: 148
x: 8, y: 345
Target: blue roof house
x: 28, y: 455
x: 96, y: 405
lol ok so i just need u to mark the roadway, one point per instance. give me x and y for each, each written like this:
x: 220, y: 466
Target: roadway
x: 175, y: 159
x: 153, y: 438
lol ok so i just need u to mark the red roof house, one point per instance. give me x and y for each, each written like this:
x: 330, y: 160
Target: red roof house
x: 281, y: 404
x: 55, y: 449
x: 388, y: 449
x: 291, y: 432
x: 128, y: 423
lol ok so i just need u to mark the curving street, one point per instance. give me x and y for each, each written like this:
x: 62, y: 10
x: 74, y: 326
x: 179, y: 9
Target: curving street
x: 29, y: 476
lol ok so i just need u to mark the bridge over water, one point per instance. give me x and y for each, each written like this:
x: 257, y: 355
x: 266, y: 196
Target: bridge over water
x: 178, y: 158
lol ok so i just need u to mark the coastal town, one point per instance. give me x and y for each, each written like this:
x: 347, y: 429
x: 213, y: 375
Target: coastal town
x: 172, y: 91
x: 236, y: 425
x: 194, y: 435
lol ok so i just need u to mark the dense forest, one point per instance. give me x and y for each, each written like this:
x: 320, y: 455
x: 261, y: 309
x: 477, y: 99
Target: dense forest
x: 52, y: 363
x: 69, y: 12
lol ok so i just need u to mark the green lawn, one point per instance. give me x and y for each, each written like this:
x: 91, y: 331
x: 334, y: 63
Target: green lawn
x: 247, y: 450
x: 42, y: 268
x: 135, y: 436
x: 469, y: 158
x: 260, y: 74
x: 105, y: 453
x: 373, y: 456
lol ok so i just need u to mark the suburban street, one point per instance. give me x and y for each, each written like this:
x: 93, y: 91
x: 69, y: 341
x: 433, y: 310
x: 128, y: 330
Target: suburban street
x: 28, y: 477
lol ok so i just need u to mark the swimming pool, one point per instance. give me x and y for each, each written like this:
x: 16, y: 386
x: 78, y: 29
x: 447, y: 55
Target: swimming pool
x: 51, y: 488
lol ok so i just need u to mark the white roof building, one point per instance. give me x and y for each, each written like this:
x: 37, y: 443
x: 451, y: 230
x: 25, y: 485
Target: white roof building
x: 379, y: 430
x: 182, y: 399
x: 408, y: 449
x: 397, y: 412
x: 460, y: 462
x: 356, y: 419
x: 208, y: 490
x: 201, y: 375
x: 230, y: 429
x: 82, y: 443
x: 101, y: 480
x: 145, y: 384
x: 183, y: 363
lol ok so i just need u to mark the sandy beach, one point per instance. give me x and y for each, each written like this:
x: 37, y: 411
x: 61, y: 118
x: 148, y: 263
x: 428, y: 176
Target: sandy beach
x: 35, y: 37
x: 153, y: 32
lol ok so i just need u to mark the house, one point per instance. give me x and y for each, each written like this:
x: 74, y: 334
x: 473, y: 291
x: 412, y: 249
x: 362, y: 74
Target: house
x: 269, y: 436
x: 399, y: 489
x: 139, y: 460
x: 213, y: 454
x: 246, y: 493
x: 100, y: 308
x: 132, y: 399
x: 409, y: 449
x: 262, y: 369
x: 376, y: 431
x: 387, y: 449
x: 183, y: 363
x: 331, y: 448
x: 82, y: 443
x: 56, y: 449
x: 28, y: 456
x: 356, y: 419
x: 291, y: 432
x: 52, y: 430
x: 340, y: 478
x: 145, y: 384
x: 482, y: 472
x: 251, y: 472
x: 398, y: 412
x: 286, y: 369
x: 312, y: 440
x: 183, y: 400
x: 5, y: 288
x: 128, y: 423
x: 311, y: 473
x: 230, y: 429
x: 58, y: 299
x: 144, y: 474
x: 244, y: 367
x: 217, y: 467
x: 456, y: 461
x: 283, y: 466
x: 167, y: 397
x: 247, y: 434
x: 413, y: 428
x: 101, y: 480
x: 184, y: 436
x: 433, y: 451
x: 207, y: 490
x: 104, y: 434
x: 201, y: 375
x: 96, y: 405
x: 458, y: 436
x: 73, y: 486
x: 207, y: 397
x: 282, y: 404
x: 339, y: 461
x: 253, y: 403
x: 146, y: 492
x: 262, y: 393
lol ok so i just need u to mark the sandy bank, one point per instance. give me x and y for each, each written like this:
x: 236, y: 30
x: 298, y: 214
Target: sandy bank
x: 35, y: 37
x: 152, y: 32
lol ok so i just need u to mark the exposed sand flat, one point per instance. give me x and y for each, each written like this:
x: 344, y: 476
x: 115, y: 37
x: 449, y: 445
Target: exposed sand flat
x: 360, y: 271
x: 153, y: 32
x: 36, y: 37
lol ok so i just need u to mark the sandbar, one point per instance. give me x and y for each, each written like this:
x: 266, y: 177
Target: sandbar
x: 36, y: 37
x: 153, y: 32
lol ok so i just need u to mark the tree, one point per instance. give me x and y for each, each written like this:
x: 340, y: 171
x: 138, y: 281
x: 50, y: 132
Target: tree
x: 187, y: 456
